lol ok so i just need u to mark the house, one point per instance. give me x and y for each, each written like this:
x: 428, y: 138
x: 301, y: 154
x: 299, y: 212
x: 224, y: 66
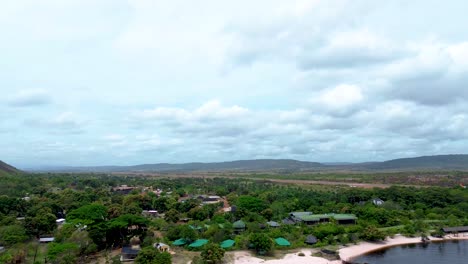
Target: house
x: 129, y: 253
x: 377, y: 201
x: 162, y: 247
x: 60, y: 221
x: 46, y: 239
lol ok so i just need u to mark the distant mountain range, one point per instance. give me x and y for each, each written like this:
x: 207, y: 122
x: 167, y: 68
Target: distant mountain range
x: 7, y: 169
x: 439, y: 162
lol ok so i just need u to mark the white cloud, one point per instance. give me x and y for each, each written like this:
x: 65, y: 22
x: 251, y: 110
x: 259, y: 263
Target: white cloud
x: 343, y: 99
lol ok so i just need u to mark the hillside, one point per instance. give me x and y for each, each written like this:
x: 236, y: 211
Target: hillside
x: 239, y: 165
x: 6, y: 169
x: 439, y: 162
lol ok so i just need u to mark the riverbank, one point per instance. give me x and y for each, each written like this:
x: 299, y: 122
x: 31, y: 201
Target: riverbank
x: 349, y: 253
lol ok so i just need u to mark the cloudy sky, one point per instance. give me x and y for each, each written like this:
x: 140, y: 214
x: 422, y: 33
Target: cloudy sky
x: 101, y: 82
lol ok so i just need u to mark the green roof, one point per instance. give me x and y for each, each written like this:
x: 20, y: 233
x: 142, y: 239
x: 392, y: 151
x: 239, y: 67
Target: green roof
x: 317, y: 217
x: 344, y: 217
x: 282, y: 242
x: 238, y: 224
x: 179, y: 242
x: 227, y: 243
x: 195, y: 227
x: 199, y: 243
x: 309, y: 218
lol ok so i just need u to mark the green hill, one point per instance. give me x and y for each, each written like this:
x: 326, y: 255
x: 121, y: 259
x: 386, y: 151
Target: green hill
x: 438, y: 162
x: 6, y: 169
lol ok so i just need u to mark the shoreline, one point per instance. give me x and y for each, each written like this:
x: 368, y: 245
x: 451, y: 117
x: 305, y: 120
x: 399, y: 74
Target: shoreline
x: 348, y: 254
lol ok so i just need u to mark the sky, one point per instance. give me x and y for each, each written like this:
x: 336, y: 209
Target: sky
x: 122, y: 82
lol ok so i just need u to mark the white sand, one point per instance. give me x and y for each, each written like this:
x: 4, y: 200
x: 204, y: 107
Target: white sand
x: 244, y: 257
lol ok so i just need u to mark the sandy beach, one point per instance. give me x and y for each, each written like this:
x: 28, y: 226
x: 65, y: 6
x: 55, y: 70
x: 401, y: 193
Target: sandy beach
x: 346, y: 253
x: 245, y: 257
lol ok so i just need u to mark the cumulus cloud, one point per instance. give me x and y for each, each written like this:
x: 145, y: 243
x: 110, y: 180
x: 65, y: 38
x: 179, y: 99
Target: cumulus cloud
x: 341, y: 100
x: 324, y: 80
x: 27, y: 98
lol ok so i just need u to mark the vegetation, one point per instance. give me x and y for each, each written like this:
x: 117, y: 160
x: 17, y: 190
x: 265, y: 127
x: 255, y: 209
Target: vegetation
x: 99, y: 219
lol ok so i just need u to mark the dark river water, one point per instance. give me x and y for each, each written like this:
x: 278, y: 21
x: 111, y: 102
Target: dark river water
x: 450, y: 252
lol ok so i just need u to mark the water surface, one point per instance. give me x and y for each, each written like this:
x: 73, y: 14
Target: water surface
x: 453, y: 252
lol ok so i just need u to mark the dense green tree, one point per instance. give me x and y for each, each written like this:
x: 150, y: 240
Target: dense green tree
x: 371, y: 233
x: 150, y: 255
x: 62, y: 253
x: 212, y: 253
x: 172, y: 216
x: 42, y: 223
x: 250, y: 203
x: 13, y: 234
x: 261, y: 242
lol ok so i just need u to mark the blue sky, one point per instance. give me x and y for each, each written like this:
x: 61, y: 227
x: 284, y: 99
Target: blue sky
x: 114, y: 82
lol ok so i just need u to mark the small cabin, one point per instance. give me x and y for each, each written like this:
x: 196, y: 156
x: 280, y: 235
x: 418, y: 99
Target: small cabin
x: 129, y: 253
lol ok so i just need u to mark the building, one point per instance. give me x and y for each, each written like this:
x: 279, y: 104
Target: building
x: 455, y: 230
x: 123, y: 189
x: 312, y: 219
x: 129, y: 253
x: 60, y: 221
x: 210, y: 199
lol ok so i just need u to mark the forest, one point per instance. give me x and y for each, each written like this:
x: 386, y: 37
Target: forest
x: 89, y: 216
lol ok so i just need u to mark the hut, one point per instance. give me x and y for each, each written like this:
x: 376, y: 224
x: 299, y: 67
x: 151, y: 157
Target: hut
x: 227, y: 243
x: 239, y: 226
x: 199, y: 243
x: 280, y: 241
x: 180, y: 242
x: 311, y: 240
